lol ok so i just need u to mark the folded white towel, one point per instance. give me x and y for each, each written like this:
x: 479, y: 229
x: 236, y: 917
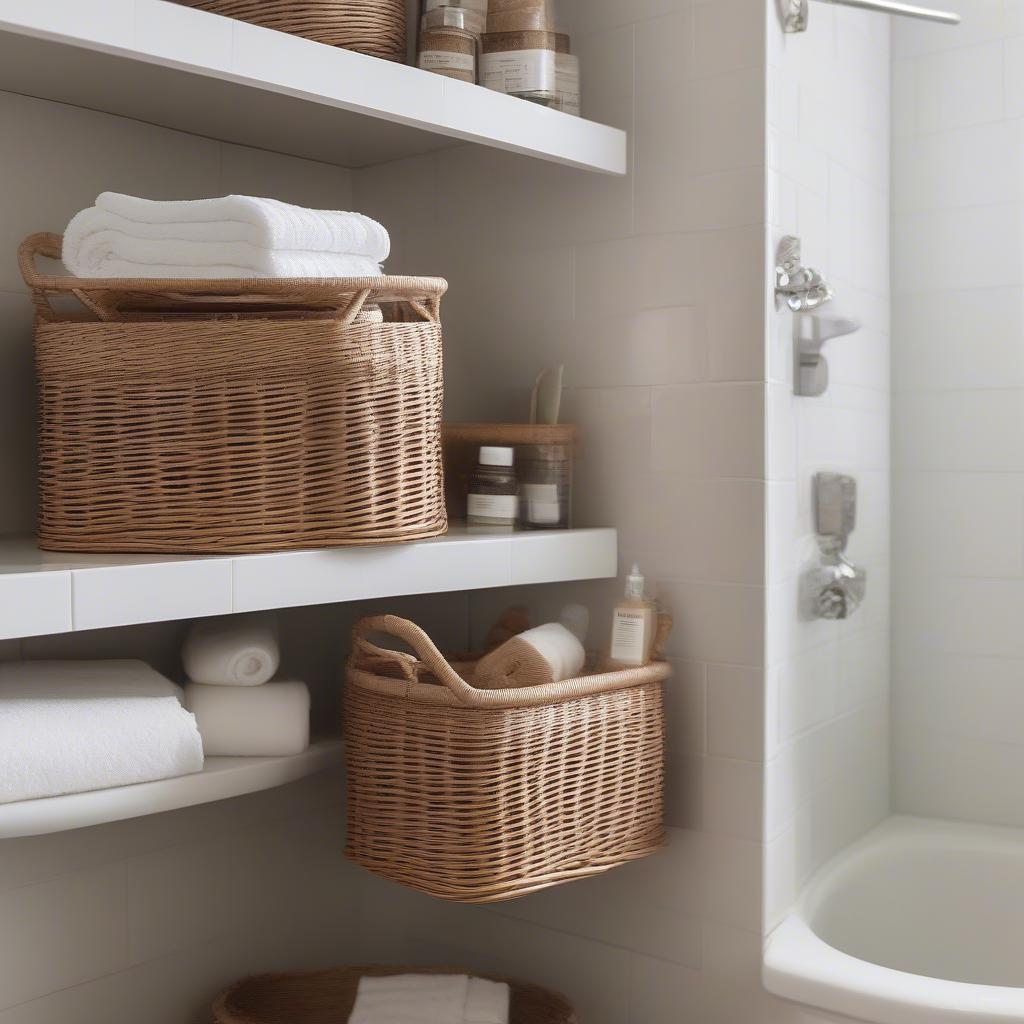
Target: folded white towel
x: 69, y: 727
x: 237, y: 236
x: 108, y: 253
x: 232, y: 650
x: 411, y: 999
x: 264, y: 223
x: 251, y: 721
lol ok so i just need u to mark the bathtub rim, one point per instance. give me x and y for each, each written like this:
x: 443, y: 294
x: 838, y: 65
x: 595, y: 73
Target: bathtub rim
x: 800, y: 966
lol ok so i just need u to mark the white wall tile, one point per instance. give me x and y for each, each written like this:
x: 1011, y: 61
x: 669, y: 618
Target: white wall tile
x: 61, y: 933
x: 177, y: 897
x: 736, y: 717
x: 727, y: 420
x: 733, y: 797
x: 960, y: 87
x: 957, y: 430
x: 661, y: 993
x: 931, y: 328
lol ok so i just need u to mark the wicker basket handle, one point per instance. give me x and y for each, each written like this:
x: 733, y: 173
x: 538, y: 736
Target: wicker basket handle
x: 50, y: 245
x: 417, y: 639
x: 421, y: 295
x: 44, y: 243
x: 532, y: 696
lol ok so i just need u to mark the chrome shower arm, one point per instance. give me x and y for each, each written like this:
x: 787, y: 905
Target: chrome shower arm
x: 795, y: 18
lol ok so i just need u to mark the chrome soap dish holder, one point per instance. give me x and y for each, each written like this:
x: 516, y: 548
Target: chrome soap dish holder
x: 804, y: 291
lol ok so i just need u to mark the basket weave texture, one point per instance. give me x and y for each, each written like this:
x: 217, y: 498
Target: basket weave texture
x: 479, y: 796
x: 237, y: 416
x: 373, y: 27
x: 328, y: 997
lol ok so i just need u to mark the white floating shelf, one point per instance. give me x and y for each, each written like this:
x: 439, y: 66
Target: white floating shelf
x: 201, y: 73
x: 43, y: 592
x: 221, y: 779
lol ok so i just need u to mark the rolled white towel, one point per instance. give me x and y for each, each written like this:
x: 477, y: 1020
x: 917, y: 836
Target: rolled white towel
x: 411, y: 999
x: 232, y: 650
x: 70, y: 727
x: 264, y: 223
x: 545, y: 654
x: 256, y: 721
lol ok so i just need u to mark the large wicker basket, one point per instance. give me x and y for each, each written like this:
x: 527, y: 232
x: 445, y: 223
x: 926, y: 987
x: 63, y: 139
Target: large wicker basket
x: 328, y: 997
x: 479, y: 796
x: 236, y: 416
x: 373, y: 27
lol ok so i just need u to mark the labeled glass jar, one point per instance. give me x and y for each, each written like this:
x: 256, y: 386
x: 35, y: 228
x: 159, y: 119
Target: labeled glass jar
x: 567, y: 77
x: 520, y: 64
x: 464, y: 18
x: 448, y: 51
x: 493, y: 498
x: 545, y: 485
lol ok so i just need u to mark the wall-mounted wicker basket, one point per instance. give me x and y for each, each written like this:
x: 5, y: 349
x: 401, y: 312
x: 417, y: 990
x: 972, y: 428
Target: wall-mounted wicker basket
x: 328, y: 997
x: 373, y: 27
x: 479, y: 796
x: 236, y: 416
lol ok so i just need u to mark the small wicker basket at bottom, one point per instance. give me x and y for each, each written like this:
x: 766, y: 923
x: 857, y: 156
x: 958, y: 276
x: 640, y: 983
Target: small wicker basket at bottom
x: 327, y: 997
x: 478, y: 796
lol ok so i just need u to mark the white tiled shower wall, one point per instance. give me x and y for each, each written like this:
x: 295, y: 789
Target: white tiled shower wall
x: 959, y: 416
x: 827, y: 775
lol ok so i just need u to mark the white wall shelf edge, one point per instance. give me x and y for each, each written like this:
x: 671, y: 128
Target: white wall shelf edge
x: 198, y: 72
x: 221, y: 779
x: 44, y: 592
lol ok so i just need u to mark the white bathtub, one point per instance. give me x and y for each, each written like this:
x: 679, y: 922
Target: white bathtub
x: 921, y: 922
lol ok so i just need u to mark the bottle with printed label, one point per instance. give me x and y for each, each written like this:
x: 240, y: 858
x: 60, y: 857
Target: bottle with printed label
x: 634, y: 623
x: 493, y: 498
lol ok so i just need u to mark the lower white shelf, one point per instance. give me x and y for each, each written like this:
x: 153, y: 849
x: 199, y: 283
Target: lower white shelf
x: 221, y: 779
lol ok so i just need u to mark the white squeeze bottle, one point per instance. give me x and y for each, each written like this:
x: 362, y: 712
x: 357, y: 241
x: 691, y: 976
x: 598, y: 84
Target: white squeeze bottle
x: 634, y: 623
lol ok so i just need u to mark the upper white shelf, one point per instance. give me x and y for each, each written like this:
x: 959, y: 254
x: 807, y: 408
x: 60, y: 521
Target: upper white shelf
x: 43, y: 592
x: 201, y: 73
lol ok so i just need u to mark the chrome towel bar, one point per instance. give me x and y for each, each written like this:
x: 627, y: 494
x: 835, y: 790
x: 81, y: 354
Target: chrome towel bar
x: 796, y: 11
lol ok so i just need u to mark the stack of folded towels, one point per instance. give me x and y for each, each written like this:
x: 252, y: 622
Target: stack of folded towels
x: 430, y: 999
x: 231, y: 237
x: 73, y: 726
x: 240, y: 713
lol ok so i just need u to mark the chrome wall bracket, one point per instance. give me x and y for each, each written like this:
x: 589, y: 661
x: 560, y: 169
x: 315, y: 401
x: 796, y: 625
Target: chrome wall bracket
x: 795, y: 12
x: 810, y: 332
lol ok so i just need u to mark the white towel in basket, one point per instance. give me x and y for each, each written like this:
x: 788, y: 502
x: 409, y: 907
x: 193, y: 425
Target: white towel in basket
x: 430, y: 999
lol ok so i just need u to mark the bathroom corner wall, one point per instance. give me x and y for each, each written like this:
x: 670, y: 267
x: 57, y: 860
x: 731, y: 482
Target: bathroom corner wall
x: 827, y: 778
x: 959, y: 416
x: 650, y: 290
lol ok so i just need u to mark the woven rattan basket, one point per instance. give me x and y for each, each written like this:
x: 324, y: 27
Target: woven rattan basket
x: 373, y: 27
x: 479, y: 796
x: 328, y: 997
x: 236, y: 416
